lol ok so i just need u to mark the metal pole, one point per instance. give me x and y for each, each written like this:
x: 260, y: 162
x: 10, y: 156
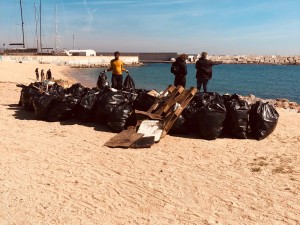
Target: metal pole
x: 41, y: 26
x: 36, y: 29
x: 22, y: 23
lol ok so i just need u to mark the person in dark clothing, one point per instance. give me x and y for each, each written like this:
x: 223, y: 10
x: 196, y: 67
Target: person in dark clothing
x: 42, y: 75
x: 204, y: 71
x: 49, y: 75
x: 37, y: 74
x: 179, y: 70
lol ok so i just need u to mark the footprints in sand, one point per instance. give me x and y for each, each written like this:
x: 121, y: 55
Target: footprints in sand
x: 278, y: 164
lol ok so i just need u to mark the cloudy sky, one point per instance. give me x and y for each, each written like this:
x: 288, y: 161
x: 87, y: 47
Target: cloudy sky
x: 185, y: 26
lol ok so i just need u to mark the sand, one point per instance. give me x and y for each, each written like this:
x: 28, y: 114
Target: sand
x: 60, y: 172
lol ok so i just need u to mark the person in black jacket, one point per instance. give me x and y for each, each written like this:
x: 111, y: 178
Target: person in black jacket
x: 49, y: 75
x: 204, y: 71
x: 179, y: 70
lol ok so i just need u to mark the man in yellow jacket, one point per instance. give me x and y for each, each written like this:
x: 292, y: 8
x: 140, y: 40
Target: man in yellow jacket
x: 117, y: 68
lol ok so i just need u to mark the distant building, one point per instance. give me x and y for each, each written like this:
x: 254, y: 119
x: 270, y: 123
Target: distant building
x: 87, y: 52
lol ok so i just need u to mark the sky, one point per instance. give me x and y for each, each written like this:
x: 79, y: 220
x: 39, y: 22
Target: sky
x: 219, y: 27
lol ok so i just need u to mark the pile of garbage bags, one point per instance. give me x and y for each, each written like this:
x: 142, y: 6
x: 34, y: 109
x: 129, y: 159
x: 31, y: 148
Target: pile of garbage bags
x: 211, y: 116
x: 208, y: 114
x: 102, y: 104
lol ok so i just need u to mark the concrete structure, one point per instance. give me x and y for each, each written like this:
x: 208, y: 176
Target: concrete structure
x: 75, y: 61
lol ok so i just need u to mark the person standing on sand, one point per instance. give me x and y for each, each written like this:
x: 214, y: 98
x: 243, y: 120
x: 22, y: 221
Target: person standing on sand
x: 49, y: 75
x: 179, y: 70
x: 117, y: 67
x: 37, y: 74
x: 42, y: 75
x: 204, y: 71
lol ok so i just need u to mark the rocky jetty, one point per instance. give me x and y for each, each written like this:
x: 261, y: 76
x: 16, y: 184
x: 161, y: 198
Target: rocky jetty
x: 255, y: 59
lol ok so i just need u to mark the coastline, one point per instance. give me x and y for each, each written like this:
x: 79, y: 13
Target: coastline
x: 60, y: 172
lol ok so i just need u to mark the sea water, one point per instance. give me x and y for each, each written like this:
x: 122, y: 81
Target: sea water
x: 263, y: 81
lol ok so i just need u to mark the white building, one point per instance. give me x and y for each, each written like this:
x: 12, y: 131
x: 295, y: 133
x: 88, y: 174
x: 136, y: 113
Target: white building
x: 88, y: 52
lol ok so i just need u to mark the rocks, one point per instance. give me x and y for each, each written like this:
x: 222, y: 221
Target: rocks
x: 251, y: 59
x: 278, y: 102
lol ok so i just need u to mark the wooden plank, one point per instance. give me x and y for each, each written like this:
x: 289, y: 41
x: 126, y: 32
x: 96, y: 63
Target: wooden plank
x: 147, y: 115
x: 165, y: 105
x: 143, y: 142
x: 172, y: 114
x: 168, y: 90
x: 124, y: 139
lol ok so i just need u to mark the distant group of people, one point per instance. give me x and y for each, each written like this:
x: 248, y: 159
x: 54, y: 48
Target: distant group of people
x: 48, y: 75
x: 203, y: 67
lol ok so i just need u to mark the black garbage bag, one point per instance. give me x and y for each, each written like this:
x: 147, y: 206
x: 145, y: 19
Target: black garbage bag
x: 143, y: 101
x: 263, y: 119
x: 62, y: 108
x: 237, y: 117
x: 102, y: 81
x: 190, y: 111
x: 27, y: 95
x: 56, y: 89
x: 106, y: 103
x: 84, y: 110
x: 179, y: 127
x: 42, y: 106
x: 210, y: 117
x: 118, y: 117
x: 76, y: 90
x: 129, y: 83
x: 130, y: 95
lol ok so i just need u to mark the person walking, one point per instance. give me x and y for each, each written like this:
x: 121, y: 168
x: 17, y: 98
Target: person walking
x: 42, y: 75
x: 117, y: 68
x: 49, y: 75
x: 37, y: 74
x: 204, y: 71
x: 179, y: 70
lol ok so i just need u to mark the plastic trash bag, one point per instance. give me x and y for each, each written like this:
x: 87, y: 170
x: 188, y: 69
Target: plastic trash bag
x: 210, y: 117
x: 27, y: 95
x: 76, y: 90
x: 106, y: 103
x: 118, y: 117
x: 62, y: 108
x: 179, y: 127
x: 42, y: 106
x: 143, y: 101
x: 129, y: 83
x: 263, y: 119
x: 237, y: 117
x: 102, y: 81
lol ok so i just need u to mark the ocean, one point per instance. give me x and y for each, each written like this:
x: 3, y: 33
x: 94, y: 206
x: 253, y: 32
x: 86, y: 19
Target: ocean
x: 263, y: 81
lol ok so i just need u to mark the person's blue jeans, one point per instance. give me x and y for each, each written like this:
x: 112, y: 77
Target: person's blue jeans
x: 200, y: 82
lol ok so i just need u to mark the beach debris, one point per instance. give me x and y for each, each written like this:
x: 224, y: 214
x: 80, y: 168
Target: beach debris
x: 102, y: 81
x: 211, y: 115
x: 237, y: 116
x: 151, y: 128
x: 263, y: 119
x: 143, y: 117
x: 128, y: 83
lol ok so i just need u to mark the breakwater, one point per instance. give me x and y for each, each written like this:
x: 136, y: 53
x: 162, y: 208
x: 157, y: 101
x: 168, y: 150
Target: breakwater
x: 255, y: 59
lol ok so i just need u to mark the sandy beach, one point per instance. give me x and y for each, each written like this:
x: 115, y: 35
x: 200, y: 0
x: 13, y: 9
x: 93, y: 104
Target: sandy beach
x: 60, y: 172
